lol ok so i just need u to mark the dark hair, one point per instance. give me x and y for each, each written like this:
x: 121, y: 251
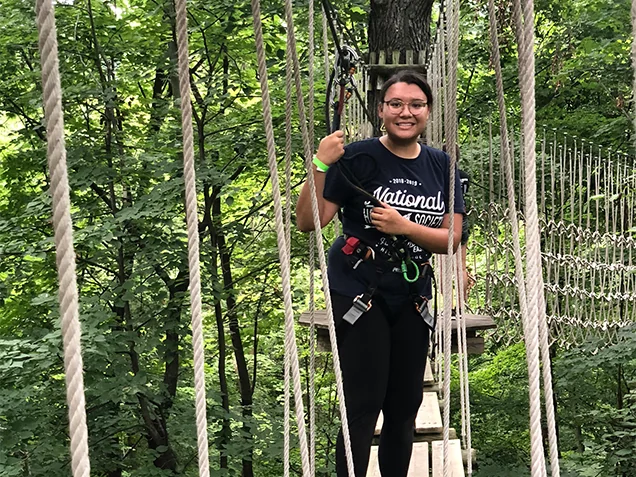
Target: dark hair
x: 408, y: 77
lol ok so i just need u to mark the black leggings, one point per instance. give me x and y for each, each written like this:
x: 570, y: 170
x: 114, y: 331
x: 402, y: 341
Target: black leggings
x: 383, y: 357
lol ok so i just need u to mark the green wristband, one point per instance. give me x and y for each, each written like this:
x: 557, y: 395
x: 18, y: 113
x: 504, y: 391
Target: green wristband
x: 321, y: 166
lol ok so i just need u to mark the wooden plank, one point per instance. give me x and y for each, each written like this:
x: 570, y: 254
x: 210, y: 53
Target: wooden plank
x: 429, y: 378
x: 419, y: 460
x: 417, y: 468
x: 428, y: 419
x: 374, y: 467
x: 456, y: 464
x: 476, y: 322
x: 378, y: 424
x: 473, y: 322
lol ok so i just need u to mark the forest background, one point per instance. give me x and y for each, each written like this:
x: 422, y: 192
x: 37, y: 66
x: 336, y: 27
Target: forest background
x: 123, y: 140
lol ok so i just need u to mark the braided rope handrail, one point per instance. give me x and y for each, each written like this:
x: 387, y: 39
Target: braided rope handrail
x: 291, y: 349
x: 63, y: 231
x: 288, y: 200
x: 536, y: 299
x: 307, y: 149
x: 462, y: 345
x: 450, y: 126
x: 192, y: 223
x: 512, y: 212
x: 312, y: 321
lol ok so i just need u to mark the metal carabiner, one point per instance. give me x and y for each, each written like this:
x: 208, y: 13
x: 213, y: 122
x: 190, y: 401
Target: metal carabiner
x: 405, y: 271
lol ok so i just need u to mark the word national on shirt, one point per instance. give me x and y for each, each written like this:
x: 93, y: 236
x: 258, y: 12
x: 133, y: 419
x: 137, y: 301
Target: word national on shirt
x: 401, y: 198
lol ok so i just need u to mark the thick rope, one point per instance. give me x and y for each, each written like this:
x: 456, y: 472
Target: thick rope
x: 307, y: 149
x: 192, y: 221
x: 312, y: 324
x: 506, y: 161
x: 288, y: 159
x: 291, y: 348
x: 312, y: 351
x: 535, y: 300
x: 462, y: 348
x: 63, y: 230
x: 451, y: 143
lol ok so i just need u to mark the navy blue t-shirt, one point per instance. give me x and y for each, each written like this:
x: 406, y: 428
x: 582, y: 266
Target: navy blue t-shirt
x: 417, y: 188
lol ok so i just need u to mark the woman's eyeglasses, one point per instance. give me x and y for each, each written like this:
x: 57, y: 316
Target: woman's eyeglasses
x: 397, y: 105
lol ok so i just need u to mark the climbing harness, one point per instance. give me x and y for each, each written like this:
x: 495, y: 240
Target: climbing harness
x: 359, y: 252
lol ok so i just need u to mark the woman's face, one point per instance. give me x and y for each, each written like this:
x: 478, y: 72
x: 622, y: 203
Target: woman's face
x: 404, y: 111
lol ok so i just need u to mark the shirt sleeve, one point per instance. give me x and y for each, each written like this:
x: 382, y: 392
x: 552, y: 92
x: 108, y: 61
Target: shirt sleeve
x: 337, y: 188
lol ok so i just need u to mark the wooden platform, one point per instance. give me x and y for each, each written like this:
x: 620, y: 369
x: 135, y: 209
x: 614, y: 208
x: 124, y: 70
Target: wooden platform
x: 474, y: 323
x: 419, y: 461
x: 457, y: 465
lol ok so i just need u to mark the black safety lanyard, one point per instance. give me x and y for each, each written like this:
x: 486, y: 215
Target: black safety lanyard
x: 345, y: 68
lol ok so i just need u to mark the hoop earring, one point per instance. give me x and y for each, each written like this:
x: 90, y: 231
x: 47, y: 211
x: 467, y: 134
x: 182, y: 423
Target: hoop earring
x: 382, y: 127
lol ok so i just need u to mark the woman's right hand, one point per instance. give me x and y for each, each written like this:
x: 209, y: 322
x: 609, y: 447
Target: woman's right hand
x: 331, y: 148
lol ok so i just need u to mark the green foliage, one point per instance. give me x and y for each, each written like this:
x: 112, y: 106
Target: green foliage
x: 124, y: 153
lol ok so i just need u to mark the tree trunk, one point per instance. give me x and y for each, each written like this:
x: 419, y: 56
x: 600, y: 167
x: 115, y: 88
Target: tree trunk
x: 245, y: 386
x: 395, y: 25
x: 400, y: 25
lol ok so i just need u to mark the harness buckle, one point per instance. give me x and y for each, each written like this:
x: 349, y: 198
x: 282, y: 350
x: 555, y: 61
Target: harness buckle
x: 369, y: 253
x: 350, y: 246
x: 361, y: 304
x: 421, y: 305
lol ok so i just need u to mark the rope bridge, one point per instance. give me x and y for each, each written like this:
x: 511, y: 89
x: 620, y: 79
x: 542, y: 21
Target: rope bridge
x: 576, y: 225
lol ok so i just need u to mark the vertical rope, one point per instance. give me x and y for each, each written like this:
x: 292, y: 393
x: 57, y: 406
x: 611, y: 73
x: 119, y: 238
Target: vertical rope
x: 288, y: 158
x: 536, y: 301
x: 192, y: 222
x: 63, y: 230
x: 462, y: 348
x: 291, y: 45
x: 312, y: 351
x: 451, y: 144
x: 312, y: 324
x: 290, y: 342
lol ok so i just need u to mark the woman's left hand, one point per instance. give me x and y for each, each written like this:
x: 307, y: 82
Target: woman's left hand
x: 388, y: 220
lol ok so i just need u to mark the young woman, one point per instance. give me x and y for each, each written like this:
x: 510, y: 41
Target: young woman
x: 378, y: 269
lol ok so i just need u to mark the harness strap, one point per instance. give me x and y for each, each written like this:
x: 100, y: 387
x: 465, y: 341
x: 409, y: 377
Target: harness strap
x: 362, y: 303
x: 360, y: 252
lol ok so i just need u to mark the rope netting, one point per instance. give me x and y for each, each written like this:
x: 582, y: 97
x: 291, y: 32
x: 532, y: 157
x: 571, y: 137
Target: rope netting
x: 587, y: 207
